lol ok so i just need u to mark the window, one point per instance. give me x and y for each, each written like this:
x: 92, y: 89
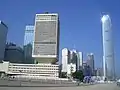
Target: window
x: 106, y: 31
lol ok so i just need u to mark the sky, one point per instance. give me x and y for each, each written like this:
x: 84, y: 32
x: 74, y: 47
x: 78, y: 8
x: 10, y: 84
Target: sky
x: 80, y: 25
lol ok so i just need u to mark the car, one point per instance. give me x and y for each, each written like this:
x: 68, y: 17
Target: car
x: 118, y: 82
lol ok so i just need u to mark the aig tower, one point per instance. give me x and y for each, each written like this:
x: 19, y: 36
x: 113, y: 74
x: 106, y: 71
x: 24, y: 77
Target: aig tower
x: 46, y: 38
x: 108, y: 51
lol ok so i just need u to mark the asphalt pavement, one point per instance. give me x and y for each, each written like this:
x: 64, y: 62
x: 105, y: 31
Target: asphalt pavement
x: 89, y: 87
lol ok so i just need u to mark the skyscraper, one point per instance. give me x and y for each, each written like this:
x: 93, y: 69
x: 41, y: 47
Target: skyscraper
x: 65, y: 59
x: 76, y: 58
x: 46, y: 38
x: 29, y: 33
x: 86, y: 69
x: 90, y: 62
x: 28, y: 42
x: 73, y: 56
x: 3, y: 38
x: 79, y: 60
x: 108, y: 51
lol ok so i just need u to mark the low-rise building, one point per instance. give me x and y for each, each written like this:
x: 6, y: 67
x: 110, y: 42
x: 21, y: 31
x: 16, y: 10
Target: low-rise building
x: 30, y: 70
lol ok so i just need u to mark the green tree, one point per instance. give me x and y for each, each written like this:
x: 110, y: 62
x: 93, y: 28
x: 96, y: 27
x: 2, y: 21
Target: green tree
x: 63, y: 74
x: 78, y: 75
x: 71, y: 70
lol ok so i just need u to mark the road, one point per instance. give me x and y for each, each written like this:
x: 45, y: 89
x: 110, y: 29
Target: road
x: 91, y: 87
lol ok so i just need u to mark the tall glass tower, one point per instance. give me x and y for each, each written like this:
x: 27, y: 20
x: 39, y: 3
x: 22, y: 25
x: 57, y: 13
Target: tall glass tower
x: 28, y: 43
x: 29, y: 33
x: 108, y: 51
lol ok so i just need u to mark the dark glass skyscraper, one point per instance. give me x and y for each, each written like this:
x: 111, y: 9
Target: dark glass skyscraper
x: 108, y: 51
x: 3, y: 37
x: 90, y: 62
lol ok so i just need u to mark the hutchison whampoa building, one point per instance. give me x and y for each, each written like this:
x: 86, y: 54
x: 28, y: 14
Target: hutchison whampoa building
x: 46, y: 38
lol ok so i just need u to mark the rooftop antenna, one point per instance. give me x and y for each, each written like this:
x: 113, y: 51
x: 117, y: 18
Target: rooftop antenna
x: 74, y: 46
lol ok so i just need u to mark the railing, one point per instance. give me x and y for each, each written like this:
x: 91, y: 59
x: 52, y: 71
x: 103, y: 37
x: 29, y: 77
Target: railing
x: 35, y: 82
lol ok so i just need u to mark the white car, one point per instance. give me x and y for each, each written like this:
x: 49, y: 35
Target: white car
x: 101, y: 81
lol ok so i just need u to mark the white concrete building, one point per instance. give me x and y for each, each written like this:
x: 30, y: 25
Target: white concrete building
x: 65, y: 59
x: 30, y: 70
x: 46, y: 38
x: 3, y: 37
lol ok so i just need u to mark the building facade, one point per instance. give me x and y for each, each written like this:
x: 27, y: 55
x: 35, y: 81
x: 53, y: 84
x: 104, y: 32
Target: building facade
x: 108, y: 50
x: 65, y: 59
x: 39, y: 71
x: 28, y: 43
x: 86, y: 69
x: 28, y: 53
x: 13, y: 53
x: 73, y: 56
x: 3, y: 38
x: 79, y: 60
x: 71, y: 68
x: 90, y: 62
x: 99, y: 72
x: 46, y: 38
x: 29, y: 34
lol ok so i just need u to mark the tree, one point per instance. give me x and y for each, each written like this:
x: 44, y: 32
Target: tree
x: 71, y: 70
x: 78, y: 75
x: 63, y: 74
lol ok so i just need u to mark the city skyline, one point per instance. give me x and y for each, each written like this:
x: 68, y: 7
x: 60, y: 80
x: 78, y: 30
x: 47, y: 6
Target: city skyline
x: 79, y: 27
